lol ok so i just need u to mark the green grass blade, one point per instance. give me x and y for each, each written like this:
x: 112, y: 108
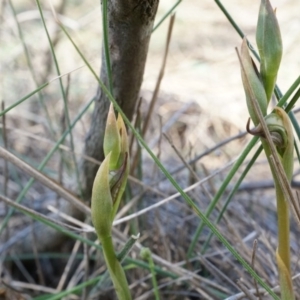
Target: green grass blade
x: 236, y: 27
x: 293, y: 100
x: 172, y: 180
x: 53, y: 224
x: 232, y: 193
x: 74, y: 290
x: 220, y: 192
x: 23, y: 99
x: 289, y: 92
x: 31, y: 69
x: 228, y: 179
x: 43, y: 164
x: 66, y: 109
x: 242, y: 35
x: 46, y: 220
x: 106, y: 45
x: 166, y: 15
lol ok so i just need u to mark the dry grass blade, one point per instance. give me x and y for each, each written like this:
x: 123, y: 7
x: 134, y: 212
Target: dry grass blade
x: 29, y: 286
x: 210, y: 150
x: 214, y: 270
x: 32, y: 212
x: 160, y: 76
x: 186, y: 88
x: 71, y: 220
x: 22, y: 134
x: 252, y: 265
x: 188, y: 166
x: 197, y: 281
x: 4, y: 137
x: 155, y: 93
x: 5, y: 167
x: 261, y: 291
x: 50, y: 183
x: 296, y: 208
x: 164, y: 201
x: 148, y: 294
x: 39, y: 271
x: 246, y: 291
x: 68, y: 266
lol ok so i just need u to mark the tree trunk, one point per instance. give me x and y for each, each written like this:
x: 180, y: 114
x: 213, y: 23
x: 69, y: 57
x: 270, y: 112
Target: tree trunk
x: 129, y: 29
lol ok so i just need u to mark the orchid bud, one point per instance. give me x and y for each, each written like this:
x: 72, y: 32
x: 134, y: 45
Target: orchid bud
x: 102, y: 203
x: 112, y: 141
x: 252, y: 84
x: 281, y: 132
x: 269, y: 43
x: 110, y: 181
x: 124, y: 164
x: 279, y: 123
x: 123, y: 140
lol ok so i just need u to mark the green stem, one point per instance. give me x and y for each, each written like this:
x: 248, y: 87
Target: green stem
x: 115, y: 269
x: 283, y: 228
x: 127, y: 247
x: 283, y: 223
x: 146, y: 255
x: 283, y: 219
x: 154, y: 281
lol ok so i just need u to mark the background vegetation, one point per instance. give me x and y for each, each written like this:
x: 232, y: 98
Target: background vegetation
x: 200, y: 105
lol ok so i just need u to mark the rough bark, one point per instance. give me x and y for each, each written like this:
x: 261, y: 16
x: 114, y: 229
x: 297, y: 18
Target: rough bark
x: 129, y: 29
